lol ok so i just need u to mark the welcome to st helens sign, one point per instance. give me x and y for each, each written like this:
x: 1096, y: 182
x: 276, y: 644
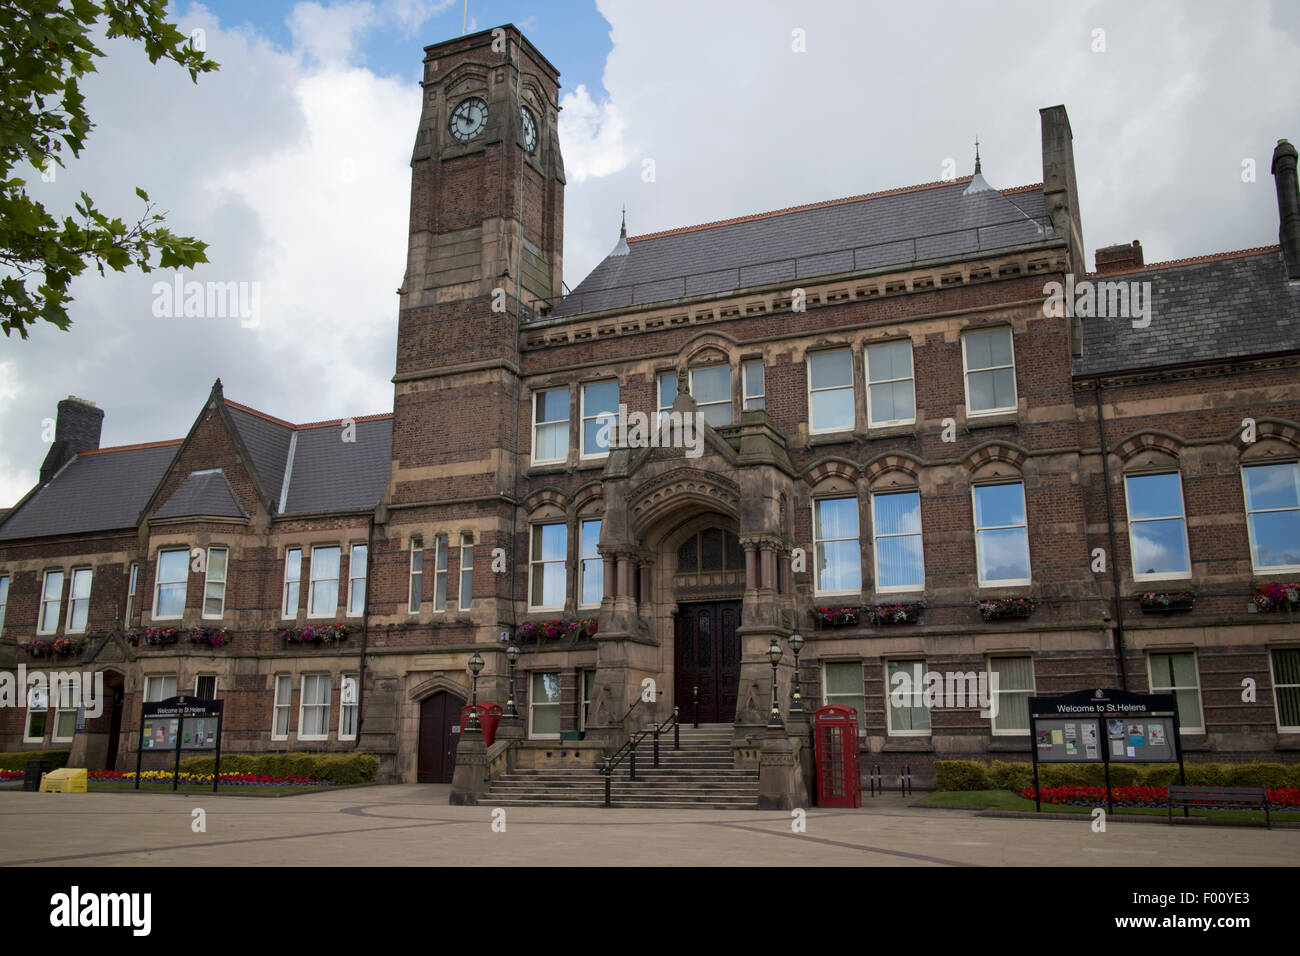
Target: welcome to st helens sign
x: 1104, y: 726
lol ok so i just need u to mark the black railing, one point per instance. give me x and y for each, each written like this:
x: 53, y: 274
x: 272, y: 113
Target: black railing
x: 628, y: 751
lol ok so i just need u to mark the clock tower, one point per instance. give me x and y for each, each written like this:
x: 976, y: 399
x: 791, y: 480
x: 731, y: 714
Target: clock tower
x: 486, y: 227
x: 487, y: 214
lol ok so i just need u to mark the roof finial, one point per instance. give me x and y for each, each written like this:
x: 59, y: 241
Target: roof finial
x: 620, y: 247
x: 977, y: 152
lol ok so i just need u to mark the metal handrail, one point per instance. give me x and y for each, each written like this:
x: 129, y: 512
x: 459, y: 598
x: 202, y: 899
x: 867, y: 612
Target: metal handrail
x: 628, y: 751
x: 1044, y: 228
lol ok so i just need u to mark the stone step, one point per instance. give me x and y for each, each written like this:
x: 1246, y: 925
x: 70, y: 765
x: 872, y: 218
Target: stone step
x: 617, y: 804
x: 646, y: 786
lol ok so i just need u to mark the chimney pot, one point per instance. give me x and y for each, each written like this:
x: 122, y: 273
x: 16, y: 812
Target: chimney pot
x: 1288, y: 206
x: 1119, y: 258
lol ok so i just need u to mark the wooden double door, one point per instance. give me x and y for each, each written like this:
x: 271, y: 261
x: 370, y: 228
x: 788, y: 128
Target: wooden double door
x: 439, y: 735
x: 707, y: 656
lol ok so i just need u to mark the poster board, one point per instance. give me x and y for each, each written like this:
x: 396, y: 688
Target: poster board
x: 177, y: 724
x: 1104, y: 726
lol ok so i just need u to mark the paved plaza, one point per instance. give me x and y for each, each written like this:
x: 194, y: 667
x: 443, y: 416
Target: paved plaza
x: 412, y: 825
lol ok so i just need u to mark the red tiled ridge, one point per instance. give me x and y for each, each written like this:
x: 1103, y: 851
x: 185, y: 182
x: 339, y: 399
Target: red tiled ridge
x: 1032, y: 187
x: 822, y: 205
x: 379, y: 416
x: 333, y: 421
x: 147, y: 444
x: 259, y: 414
x: 1194, y: 260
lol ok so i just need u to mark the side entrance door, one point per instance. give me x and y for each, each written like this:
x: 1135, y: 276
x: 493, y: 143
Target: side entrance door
x: 439, y: 735
x: 708, y: 657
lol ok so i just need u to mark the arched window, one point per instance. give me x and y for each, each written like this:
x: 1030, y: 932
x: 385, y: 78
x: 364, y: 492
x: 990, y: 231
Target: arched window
x: 710, y: 550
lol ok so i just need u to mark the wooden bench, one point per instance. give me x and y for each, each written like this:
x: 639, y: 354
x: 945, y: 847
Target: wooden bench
x: 1219, y: 797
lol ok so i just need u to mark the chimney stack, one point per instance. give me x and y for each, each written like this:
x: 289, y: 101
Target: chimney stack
x: 1061, y: 199
x: 1120, y: 258
x: 1288, y: 206
x: 76, y: 430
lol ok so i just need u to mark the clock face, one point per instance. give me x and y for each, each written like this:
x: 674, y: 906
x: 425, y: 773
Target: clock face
x: 530, y: 128
x: 469, y: 119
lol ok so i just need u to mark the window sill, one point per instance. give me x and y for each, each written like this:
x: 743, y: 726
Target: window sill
x: 892, y: 431
x: 995, y: 420
x: 916, y: 744
x: 547, y: 468
x: 831, y: 438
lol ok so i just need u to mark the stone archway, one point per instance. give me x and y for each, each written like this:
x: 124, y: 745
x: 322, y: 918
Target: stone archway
x: 695, y: 609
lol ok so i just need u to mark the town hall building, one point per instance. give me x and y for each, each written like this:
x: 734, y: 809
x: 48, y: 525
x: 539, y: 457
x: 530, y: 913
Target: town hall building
x: 910, y: 426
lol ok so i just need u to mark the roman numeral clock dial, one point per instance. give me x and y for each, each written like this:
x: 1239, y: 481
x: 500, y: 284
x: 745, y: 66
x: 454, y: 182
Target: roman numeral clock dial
x: 530, y: 128
x: 469, y: 119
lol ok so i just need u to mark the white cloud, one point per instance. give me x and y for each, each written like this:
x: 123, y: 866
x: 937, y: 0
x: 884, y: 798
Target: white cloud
x: 329, y: 34
x: 591, y: 137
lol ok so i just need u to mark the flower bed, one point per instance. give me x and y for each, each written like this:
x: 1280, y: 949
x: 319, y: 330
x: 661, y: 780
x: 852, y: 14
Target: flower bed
x: 836, y: 616
x: 894, y: 613
x: 1157, y: 601
x: 241, y: 779
x: 1277, y: 596
x: 11, y: 775
x: 316, y: 634
x: 210, y: 636
x: 1281, y: 798
x: 153, y: 635
x: 59, y: 647
x: 1000, y: 608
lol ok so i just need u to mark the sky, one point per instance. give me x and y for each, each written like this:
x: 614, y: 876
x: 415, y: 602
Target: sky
x: 292, y: 161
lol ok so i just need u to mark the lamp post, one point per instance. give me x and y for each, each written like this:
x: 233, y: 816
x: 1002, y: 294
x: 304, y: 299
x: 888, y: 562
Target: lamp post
x: 774, y: 655
x: 475, y: 667
x: 796, y: 698
x: 512, y: 655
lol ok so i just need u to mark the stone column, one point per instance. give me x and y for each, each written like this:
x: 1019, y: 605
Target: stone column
x: 470, y: 781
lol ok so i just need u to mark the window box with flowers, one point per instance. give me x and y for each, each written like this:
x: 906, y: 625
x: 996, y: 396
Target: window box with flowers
x: 59, y: 647
x: 998, y: 609
x: 1278, y: 596
x: 894, y: 613
x: 543, y: 632
x: 1163, y: 602
x: 316, y: 634
x: 143, y: 636
x: 210, y: 636
x: 836, y: 616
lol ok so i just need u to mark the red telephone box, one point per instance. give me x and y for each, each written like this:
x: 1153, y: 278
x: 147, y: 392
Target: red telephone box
x: 836, y: 731
x: 489, y: 716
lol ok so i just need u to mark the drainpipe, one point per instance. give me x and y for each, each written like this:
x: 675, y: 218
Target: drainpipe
x: 365, y: 629
x: 1116, y: 603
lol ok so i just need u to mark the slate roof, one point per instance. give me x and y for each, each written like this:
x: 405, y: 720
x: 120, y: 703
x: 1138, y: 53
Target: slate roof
x: 202, y: 493
x: 330, y: 474
x: 1225, y: 306
x: 267, y: 442
x: 106, y: 489
x: 96, y: 491
x: 892, y: 228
